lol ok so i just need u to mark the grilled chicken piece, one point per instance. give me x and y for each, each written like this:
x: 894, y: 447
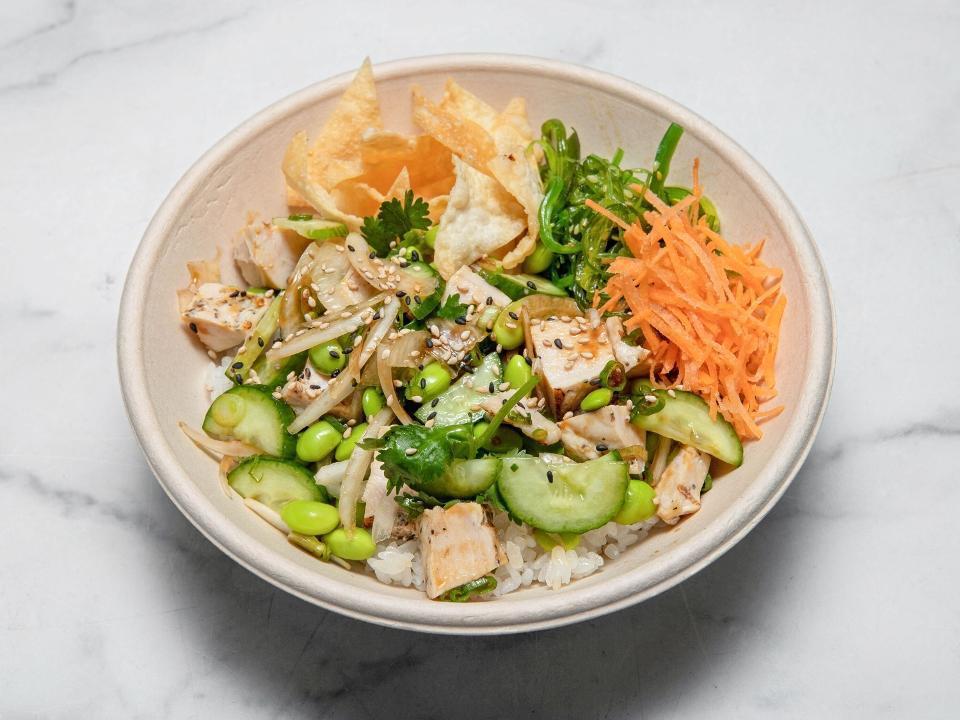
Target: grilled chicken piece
x: 267, y: 255
x: 473, y: 289
x: 222, y: 315
x: 678, y: 491
x: 525, y: 417
x: 609, y: 428
x: 300, y: 390
x: 630, y: 356
x: 457, y: 545
x: 571, y: 355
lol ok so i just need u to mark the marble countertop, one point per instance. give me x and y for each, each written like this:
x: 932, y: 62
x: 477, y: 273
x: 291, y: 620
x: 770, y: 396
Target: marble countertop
x: 841, y: 603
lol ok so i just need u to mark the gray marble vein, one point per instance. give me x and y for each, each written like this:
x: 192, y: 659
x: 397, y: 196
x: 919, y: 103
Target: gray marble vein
x: 840, y: 604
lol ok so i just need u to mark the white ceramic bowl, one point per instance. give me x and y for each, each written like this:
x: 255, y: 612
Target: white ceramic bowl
x: 161, y: 367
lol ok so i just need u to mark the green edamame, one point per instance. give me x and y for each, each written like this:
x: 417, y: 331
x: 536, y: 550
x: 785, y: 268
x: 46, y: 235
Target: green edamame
x: 637, y: 504
x: 372, y: 401
x: 358, y: 547
x: 597, y: 399
x: 539, y: 260
x: 517, y: 371
x: 507, y: 330
x: 430, y: 236
x: 317, y: 441
x: 429, y: 382
x: 345, y: 448
x: 309, y: 517
x: 328, y: 357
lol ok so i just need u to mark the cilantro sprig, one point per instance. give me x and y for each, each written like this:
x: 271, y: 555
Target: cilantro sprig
x: 394, y: 219
x: 452, y: 308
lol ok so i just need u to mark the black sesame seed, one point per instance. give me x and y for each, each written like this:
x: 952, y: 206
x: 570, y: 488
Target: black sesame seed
x: 558, y: 342
x: 489, y: 300
x: 417, y: 300
x: 429, y: 342
x: 347, y: 350
x: 243, y: 293
x: 400, y: 293
x: 237, y: 365
x: 354, y: 382
x: 334, y: 373
x: 373, y: 254
x: 491, y: 387
x: 663, y: 243
x: 433, y: 403
x: 193, y: 327
x: 376, y: 315
x: 235, y: 293
x: 406, y: 301
x: 351, y: 248
x: 415, y: 256
x: 315, y: 387
x: 549, y: 476
x: 601, y: 447
x: 420, y: 366
x: 334, y: 354
x: 260, y: 341
x: 595, y: 381
x: 532, y: 285
x: 238, y: 379
x: 513, y: 315
x: 432, y: 415
x: 461, y: 320
x: 423, y: 383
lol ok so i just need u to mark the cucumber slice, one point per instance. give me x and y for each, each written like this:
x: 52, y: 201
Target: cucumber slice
x: 519, y: 285
x: 423, y: 288
x: 563, y: 497
x: 274, y: 482
x: 464, y: 478
x: 249, y: 413
x: 685, y: 417
x: 312, y: 228
x: 273, y: 373
x: 452, y: 407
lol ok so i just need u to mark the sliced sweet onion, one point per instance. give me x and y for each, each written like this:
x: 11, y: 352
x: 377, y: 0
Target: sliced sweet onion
x: 223, y: 448
x: 338, y: 389
x: 385, y: 374
x: 388, y: 313
x: 328, y: 329
x: 382, y: 274
x: 268, y: 514
x: 407, y: 349
x: 384, y: 517
x: 357, y: 467
x: 331, y: 476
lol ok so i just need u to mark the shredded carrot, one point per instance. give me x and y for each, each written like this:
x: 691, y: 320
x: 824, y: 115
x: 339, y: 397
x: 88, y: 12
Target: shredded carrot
x: 709, y: 311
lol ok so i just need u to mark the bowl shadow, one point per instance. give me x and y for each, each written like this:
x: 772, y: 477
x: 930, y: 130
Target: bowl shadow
x: 297, y: 660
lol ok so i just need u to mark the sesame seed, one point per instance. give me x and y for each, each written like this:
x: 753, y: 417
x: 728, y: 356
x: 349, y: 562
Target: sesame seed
x: 410, y: 451
x: 567, y: 415
x: 586, y: 354
x: 417, y: 398
x: 465, y: 335
x: 351, y: 248
x: 491, y: 387
x: 489, y: 300
x: 531, y: 284
x: 601, y: 447
x: 433, y: 403
x: 549, y: 476
x: 558, y: 342
x: 650, y: 398
x: 671, y: 393
x: 503, y: 386
x: 260, y: 341
x: 347, y: 433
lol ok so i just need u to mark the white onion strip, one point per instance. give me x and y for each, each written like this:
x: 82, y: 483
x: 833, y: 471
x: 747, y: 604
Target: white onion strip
x: 233, y: 448
x: 268, y: 514
x: 385, y: 373
x: 388, y: 313
x: 331, y: 476
x: 338, y: 389
x: 332, y: 329
x: 359, y: 462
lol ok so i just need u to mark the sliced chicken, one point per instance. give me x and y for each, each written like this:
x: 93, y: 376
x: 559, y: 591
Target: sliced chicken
x: 525, y: 416
x: 678, y: 492
x: 592, y: 434
x: 300, y: 390
x: 474, y: 289
x: 222, y: 315
x: 267, y: 255
x: 572, y: 354
x: 457, y: 545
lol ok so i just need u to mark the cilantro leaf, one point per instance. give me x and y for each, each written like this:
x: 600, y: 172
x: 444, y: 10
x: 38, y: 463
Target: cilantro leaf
x: 376, y: 235
x: 435, y: 449
x: 452, y: 308
x: 399, y: 218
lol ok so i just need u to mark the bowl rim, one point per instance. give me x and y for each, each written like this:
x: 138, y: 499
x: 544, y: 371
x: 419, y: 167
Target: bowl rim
x: 573, y: 604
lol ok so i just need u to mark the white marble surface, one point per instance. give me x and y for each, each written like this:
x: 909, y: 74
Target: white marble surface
x: 842, y: 603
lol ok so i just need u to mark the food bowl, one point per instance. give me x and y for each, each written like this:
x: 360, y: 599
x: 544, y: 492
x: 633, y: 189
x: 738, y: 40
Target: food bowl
x: 161, y: 367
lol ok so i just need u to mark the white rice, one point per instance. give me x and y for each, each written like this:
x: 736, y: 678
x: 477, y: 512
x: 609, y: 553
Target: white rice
x: 527, y: 563
x: 216, y: 382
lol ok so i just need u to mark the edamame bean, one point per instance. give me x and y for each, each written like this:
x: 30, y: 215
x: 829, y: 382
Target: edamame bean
x: 507, y: 330
x: 345, y: 448
x: 539, y: 260
x: 597, y: 399
x: 430, y: 236
x: 517, y: 371
x: 328, y: 357
x: 372, y: 401
x: 429, y: 382
x: 638, y: 503
x: 317, y: 441
x: 309, y: 517
x: 358, y: 547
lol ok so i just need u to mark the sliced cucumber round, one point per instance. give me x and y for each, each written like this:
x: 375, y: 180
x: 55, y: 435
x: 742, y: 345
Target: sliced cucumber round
x: 563, y: 497
x: 251, y: 414
x: 274, y: 482
x: 312, y: 228
x: 452, y: 407
x: 464, y: 478
x: 273, y: 373
x: 519, y: 285
x: 685, y: 417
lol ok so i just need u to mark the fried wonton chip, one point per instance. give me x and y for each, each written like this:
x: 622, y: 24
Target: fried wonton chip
x: 469, y: 127
x: 296, y: 168
x: 480, y: 217
x: 465, y: 138
x: 201, y: 272
x: 428, y: 163
x: 335, y: 153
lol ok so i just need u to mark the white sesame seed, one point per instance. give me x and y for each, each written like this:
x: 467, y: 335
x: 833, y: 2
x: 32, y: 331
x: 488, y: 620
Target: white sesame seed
x: 671, y: 393
x: 410, y: 451
x: 417, y: 399
x: 568, y: 414
x: 347, y: 433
